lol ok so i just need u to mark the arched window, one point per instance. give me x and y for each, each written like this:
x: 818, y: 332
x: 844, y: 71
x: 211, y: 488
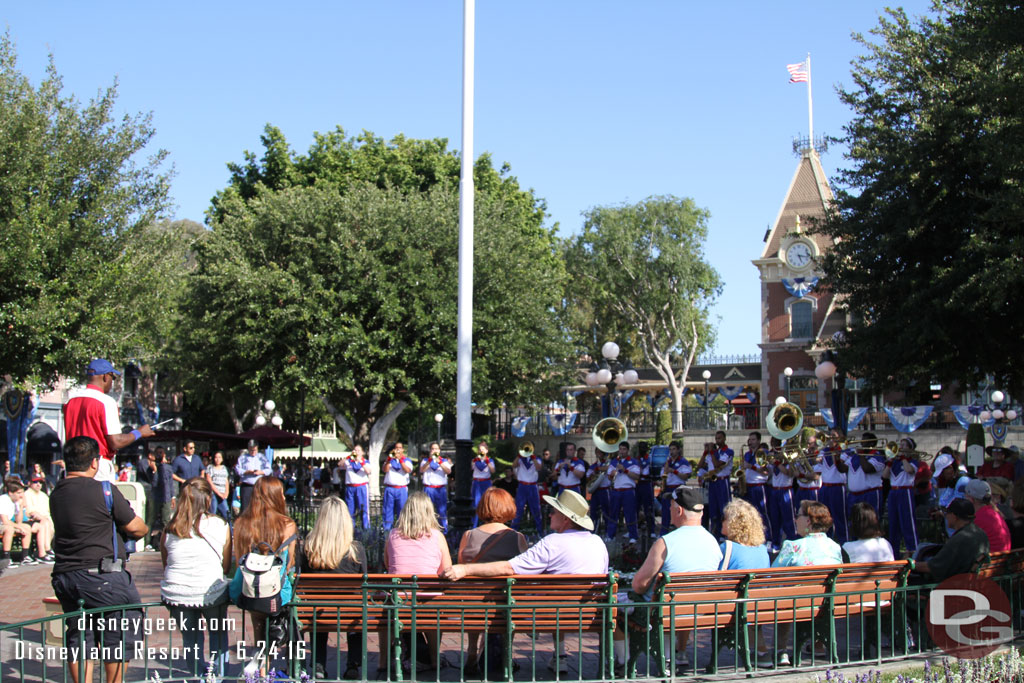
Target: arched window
x: 801, y: 314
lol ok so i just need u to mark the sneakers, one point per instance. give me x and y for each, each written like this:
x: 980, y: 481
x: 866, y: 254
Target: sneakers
x: 632, y: 541
x: 784, y: 659
x: 28, y: 560
x: 46, y: 559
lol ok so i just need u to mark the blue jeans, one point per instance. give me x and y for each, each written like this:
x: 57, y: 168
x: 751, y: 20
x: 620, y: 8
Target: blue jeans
x: 193, y: 623
x: 219, y: 506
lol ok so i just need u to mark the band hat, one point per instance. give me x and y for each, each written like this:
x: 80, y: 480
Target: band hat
x: 574, y: 506
x: 978, y: 489
x: 100, y: 366
x: 689, y: 498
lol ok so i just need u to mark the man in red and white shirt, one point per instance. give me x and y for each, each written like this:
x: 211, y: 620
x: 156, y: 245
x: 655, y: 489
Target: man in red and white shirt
x: 91, y: 412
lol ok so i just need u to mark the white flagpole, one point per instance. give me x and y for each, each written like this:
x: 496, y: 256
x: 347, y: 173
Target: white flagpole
x: 810, y: 107
x: 464, y: 360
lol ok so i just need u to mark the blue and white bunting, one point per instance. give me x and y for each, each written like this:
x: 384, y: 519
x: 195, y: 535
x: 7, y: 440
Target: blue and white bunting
x: 729, y: 393
x: 830, y: 419
x: 907, y: 419
x: 856, y: 415
x: 965, y: 415
x: 519, y: 426
x: 800, y: 286
x: 561, y: 423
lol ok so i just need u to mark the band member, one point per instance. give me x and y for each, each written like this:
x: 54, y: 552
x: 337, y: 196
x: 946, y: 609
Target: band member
x: 757, y: 478
x: 780, y: 500
x: 435, y: 469
x: 624, y: 472
x: 833, y: 482
x: 807, y: 471
x: 527, y: 471
x: 396, y: 485
x: 483, y: 470
x: 864, y: 478
x: 357, y: 476
x: 902, y: 470
x: 645, y: 488
x: 600, y: 496
x: 675, y: 472
x: 716, y: 464
x: 570, y: 470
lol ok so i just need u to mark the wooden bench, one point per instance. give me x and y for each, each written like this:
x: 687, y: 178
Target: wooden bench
x: 393, y: 605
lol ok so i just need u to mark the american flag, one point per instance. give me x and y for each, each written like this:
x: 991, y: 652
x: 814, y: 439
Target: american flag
x: 797, y: 72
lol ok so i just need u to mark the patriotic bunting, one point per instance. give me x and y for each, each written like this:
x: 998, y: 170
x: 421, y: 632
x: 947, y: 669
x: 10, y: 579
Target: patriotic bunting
x: 561, y: 423
x: 519, y: 426
x: 729, y: 393
x: 800, y: 286
x: 908, y: 418
x: 965, y: 415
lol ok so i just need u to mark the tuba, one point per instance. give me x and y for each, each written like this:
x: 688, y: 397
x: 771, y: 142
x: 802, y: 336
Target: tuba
x: 608, y: 434
x: 785, y: 421
x: 526, y: 449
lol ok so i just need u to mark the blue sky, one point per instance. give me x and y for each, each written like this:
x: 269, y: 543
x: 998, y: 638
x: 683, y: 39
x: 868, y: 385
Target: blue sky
x: 591, y: 103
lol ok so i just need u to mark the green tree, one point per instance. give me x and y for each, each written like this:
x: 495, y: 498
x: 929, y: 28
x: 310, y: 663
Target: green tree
x: 343, y: 287
x: 83, y: 265
x: 640, y: 269
x: 929, y: 221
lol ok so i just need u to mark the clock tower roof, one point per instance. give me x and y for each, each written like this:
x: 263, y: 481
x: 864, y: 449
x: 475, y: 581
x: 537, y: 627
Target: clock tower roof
x: 805, y: 202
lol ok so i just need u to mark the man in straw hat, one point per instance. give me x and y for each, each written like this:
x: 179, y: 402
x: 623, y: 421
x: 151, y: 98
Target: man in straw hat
x: 570, y: 548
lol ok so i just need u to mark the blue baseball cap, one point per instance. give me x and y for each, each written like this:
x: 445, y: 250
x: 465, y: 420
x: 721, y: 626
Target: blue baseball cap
x: 100, y: 366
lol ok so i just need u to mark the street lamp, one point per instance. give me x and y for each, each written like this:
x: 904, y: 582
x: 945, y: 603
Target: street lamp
x: 437, y: 418
x: 269, y: 408
x: 612, y: 374
x: 788, y: 372
x: 997, y: 413
x: 707, y: 409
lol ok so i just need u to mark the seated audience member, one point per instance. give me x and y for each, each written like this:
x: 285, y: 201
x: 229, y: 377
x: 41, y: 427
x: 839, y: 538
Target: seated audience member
x: 330, y: 548
x: 416, y: 545
x: 196, y: 553
x: 986, y: 516
x: 1001, y: 496
x: 1016, y: 520
x: 745, y: 548
x: 37, y: 504
x: 870, y: 546
x: 997, y: 466
x: 570, y: 548
x: 965, y: 547
x: 812, y: 523
x: 16, y: 520
x: 90, y: 568
x: 491, y: 541
x: 689, y: 548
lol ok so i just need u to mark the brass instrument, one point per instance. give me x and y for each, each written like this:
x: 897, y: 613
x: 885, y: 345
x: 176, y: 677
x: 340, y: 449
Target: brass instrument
x: 526, y: 449
x: 892, y: 451
x: 609, y: 433
x: 785, y: 421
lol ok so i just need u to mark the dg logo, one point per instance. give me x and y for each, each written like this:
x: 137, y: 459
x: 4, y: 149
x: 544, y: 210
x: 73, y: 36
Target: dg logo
x: 969, y: 617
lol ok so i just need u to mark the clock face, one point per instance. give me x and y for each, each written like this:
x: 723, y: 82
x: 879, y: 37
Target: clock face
x: 799, y: 255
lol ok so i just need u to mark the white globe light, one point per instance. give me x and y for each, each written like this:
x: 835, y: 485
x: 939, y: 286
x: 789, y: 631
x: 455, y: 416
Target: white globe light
x: 592, y: 379
x: 998, y: 396
x: 631, y: 376
x: 276, y: 421
x: 438, y: 417
x: 997, y: 414
x: 788, y: 372
x: 619, y: 379
x: 260, y: 420
x: 780, y: 400
x: 706, y: 374
x: 610, y: 350
x: 985, y: 416
x: 604, y: 375
x: 1011, y: 414
x: 825, y: 370
x: 269, y: 405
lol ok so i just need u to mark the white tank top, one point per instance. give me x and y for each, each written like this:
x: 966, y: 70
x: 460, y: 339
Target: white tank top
x: 194, y: 575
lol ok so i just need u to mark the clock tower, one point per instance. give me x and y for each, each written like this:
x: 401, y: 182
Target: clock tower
x: 797, y: 318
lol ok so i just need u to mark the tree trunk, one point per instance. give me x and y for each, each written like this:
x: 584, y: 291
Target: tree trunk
x: 370, y: 432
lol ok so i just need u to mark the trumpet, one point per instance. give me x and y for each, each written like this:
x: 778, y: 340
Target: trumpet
x: 526, y: 449
x: 608, y: 434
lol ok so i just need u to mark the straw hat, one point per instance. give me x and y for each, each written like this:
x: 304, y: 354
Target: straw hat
x: 574, y: 506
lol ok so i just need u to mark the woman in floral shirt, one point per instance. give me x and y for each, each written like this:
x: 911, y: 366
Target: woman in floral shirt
x: 813, y: 546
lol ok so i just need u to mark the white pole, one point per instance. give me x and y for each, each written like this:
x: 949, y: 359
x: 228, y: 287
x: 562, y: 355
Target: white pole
x: 810, y: 107
x: 464, y: 360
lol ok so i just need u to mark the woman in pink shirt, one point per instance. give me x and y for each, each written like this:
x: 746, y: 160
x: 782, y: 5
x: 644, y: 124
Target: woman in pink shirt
x: 416, y: 546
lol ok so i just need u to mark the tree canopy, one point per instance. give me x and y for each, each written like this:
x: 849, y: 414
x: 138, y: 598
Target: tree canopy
x: 84, y: 267
x: 929, y: 216
x: 639, y: 270
x: 324, y: 277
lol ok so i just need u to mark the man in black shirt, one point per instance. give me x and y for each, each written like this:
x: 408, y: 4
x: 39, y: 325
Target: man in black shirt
x: 965, y: 547
x: 90, y: 562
